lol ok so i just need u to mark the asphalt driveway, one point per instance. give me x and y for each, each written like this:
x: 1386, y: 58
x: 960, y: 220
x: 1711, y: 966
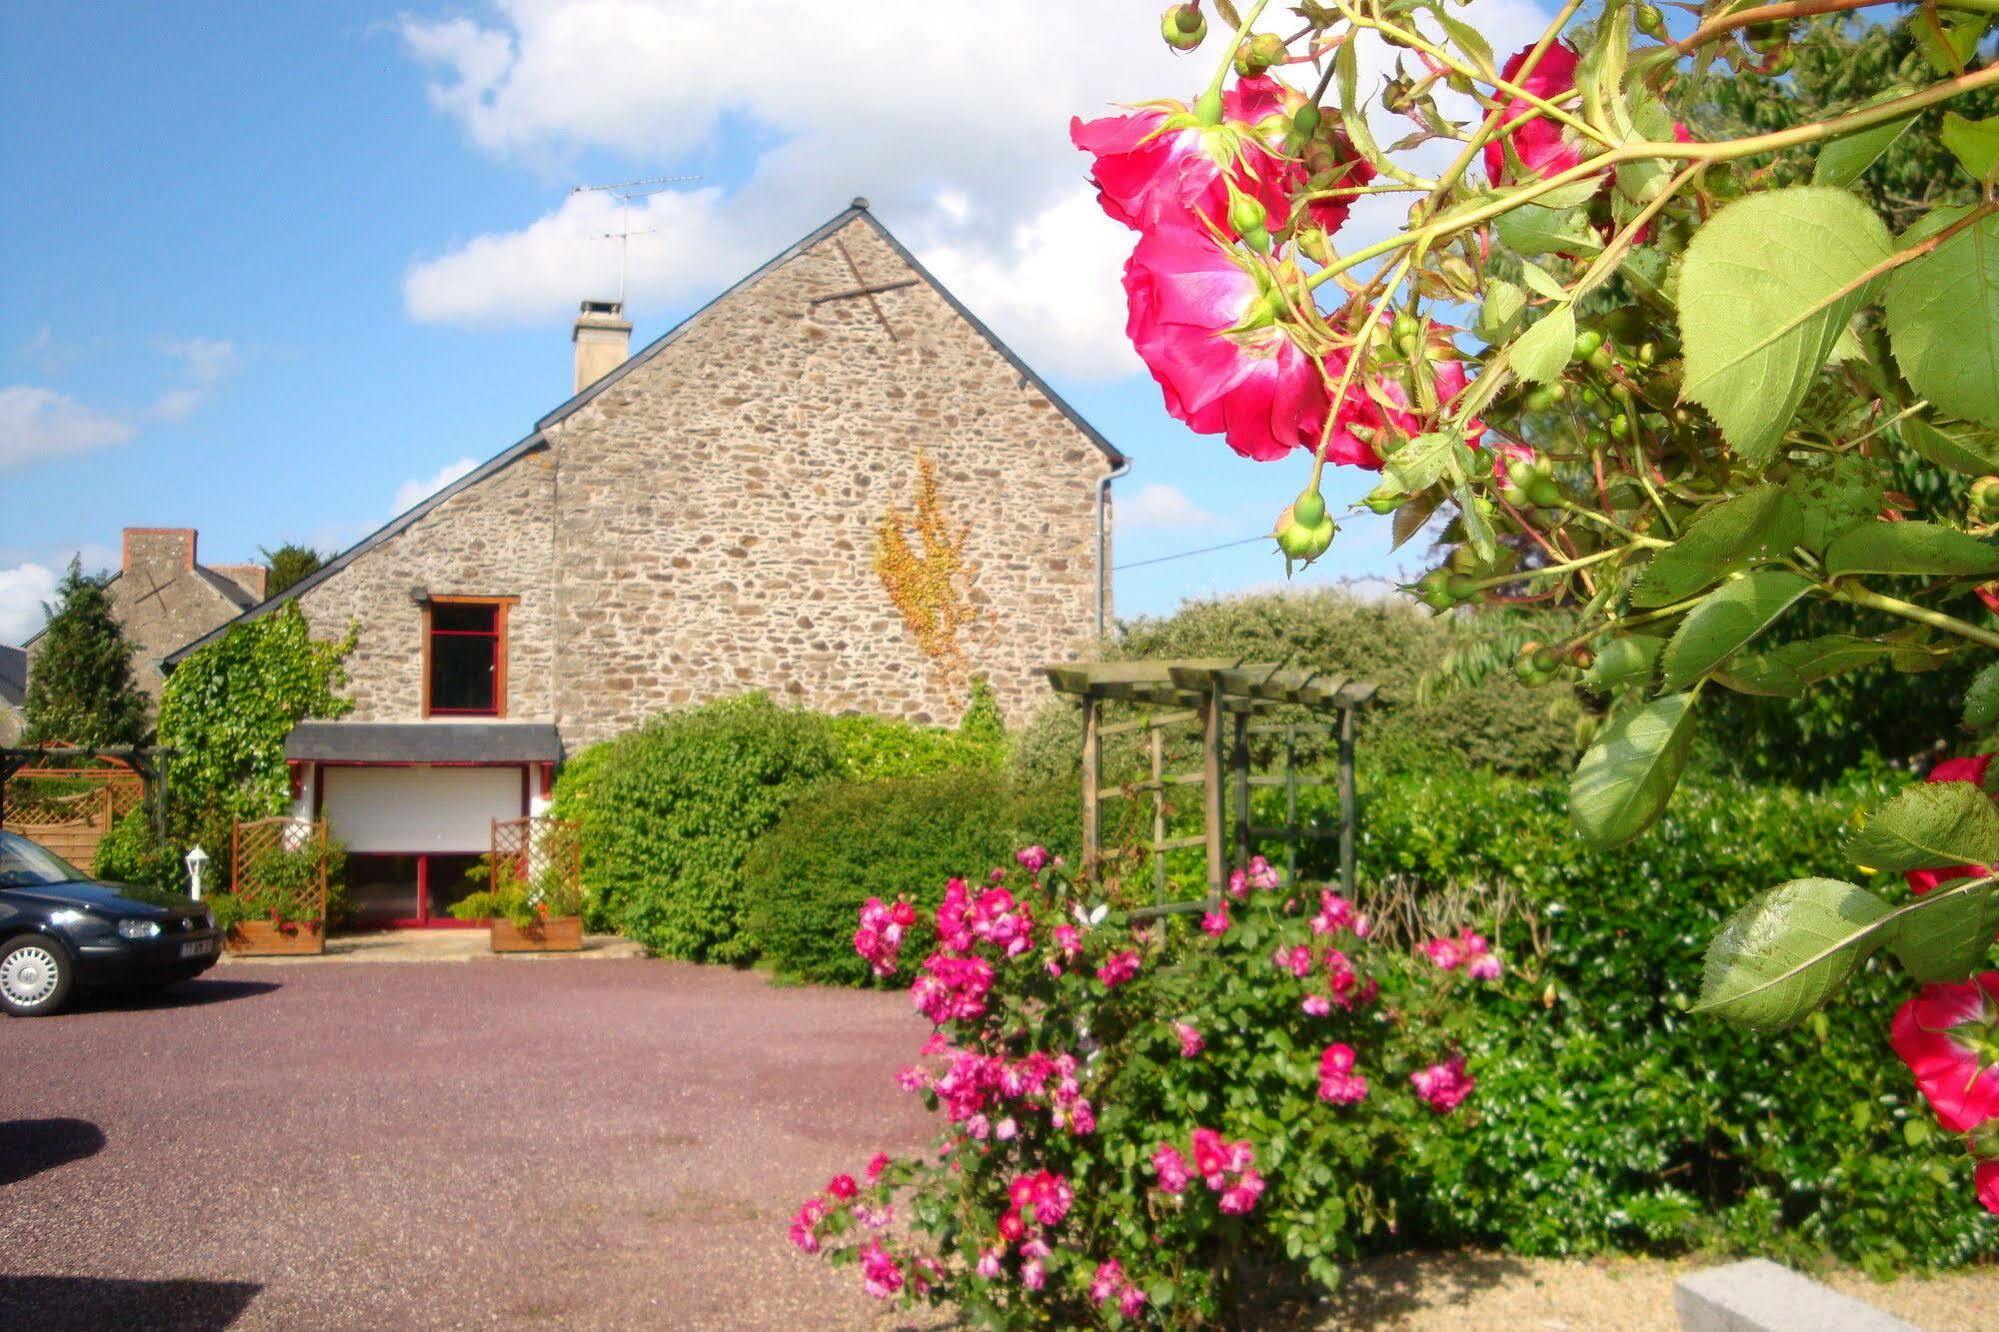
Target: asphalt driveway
x: 564, y: 1144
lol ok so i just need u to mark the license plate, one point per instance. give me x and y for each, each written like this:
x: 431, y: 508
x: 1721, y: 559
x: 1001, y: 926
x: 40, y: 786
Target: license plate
x: 199, y: 948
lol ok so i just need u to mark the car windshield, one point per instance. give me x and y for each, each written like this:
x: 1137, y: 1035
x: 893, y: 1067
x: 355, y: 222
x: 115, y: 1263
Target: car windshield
x: 25, y: 865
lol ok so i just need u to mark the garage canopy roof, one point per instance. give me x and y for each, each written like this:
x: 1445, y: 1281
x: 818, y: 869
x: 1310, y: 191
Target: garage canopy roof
x: 423, y: 742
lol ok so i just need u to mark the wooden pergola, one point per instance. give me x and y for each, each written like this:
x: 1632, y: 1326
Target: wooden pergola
x: 1229, y: 701
x: 149, y: 761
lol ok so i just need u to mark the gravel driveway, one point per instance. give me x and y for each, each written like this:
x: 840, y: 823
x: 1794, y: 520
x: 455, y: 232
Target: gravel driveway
x: 565, y: 1144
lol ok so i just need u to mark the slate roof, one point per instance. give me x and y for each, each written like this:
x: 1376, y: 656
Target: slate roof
x: 424, y: 742
x: 13, y: 676
x: 537, y: 440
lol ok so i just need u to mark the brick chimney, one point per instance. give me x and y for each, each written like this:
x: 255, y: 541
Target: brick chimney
x: 603, y: 339
x: 166, y: 550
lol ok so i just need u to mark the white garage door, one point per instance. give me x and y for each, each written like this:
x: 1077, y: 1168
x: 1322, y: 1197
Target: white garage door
x: 419, y: 809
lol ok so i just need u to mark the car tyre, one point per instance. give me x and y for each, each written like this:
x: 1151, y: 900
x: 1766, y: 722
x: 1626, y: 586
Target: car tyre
x: 35, y: 976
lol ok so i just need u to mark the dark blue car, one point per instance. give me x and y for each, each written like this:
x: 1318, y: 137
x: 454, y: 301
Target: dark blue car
x: 59, y: 929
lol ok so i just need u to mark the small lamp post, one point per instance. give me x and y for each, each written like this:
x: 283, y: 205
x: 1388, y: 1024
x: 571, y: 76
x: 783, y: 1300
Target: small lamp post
x: 197, y: 861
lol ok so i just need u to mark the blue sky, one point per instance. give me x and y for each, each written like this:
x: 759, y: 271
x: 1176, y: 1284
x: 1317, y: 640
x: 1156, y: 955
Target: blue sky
x: 270, y: 268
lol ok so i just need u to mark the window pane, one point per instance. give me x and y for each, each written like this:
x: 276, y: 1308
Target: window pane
x: 450, y: 882
x: 381, y: 889
x: 479, y: 619
x: 461, y: 673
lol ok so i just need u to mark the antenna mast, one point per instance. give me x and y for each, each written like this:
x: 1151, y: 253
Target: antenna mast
x: 624, y: 192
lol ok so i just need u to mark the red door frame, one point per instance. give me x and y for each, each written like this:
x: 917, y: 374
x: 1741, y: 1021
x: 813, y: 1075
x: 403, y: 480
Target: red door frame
x: 423, y: 920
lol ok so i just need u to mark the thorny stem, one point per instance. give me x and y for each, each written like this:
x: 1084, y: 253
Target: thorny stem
x: 1797, y: 9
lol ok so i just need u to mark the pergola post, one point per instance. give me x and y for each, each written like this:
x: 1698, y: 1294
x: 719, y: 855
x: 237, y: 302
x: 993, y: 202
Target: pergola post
x: 1211, y: 791
x: 1093, y: 752
x: 1346, y: 802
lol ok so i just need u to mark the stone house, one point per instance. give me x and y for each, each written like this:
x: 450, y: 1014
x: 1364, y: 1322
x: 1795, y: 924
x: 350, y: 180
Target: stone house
x: 832, y: 483
x: 162, y: 596
x: 13, y: 693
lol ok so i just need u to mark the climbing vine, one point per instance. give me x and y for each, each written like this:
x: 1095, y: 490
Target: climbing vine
x: 932, y: 588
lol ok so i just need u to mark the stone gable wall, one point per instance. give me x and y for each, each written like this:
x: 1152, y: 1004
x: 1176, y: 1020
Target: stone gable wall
x: 492, y: 539
x: 719, y: 503
x: 705, y: 525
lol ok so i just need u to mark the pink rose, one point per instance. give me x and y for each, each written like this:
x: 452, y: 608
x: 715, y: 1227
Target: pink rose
x: 1945, y: 1035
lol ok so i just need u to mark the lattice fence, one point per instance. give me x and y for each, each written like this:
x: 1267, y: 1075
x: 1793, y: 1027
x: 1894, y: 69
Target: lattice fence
x: 69, y: 825
x: 546, y: 854
x: 278, y: 868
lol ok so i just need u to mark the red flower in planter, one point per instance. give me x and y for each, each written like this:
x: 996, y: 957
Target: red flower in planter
x: 1952, y: 770
x: 1948, y: 1035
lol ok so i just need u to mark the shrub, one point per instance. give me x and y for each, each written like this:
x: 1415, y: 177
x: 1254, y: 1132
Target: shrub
x: 882, y: 748
x: 847, y: 841
x: 132, y: 853
x: 1616, y: 1120
x: 521, y: 902
x: 669, y: 811
x: 1146, y: 1128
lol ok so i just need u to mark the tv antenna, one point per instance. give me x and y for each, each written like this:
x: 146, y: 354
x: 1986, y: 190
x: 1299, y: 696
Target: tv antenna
x: 624, y: 192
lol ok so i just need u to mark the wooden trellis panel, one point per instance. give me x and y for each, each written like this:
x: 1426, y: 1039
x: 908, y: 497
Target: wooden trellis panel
x: 534, y: 846
x: 250, y: 845
x: 1223, y: 698
x: 71, y: 826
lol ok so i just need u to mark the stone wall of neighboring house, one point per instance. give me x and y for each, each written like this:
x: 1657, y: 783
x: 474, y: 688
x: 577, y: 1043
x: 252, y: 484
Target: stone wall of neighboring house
x: 719, y: 505
x: 13, y: 692
x: 491, y: 539
x: 164, y: 598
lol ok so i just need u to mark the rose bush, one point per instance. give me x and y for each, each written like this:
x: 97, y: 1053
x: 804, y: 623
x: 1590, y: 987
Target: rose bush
x: 1634, y: 370
x: 1148, y: 1120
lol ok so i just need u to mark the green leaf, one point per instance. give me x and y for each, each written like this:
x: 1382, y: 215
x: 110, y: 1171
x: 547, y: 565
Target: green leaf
x: 1542, y: 281
x: 1530, y: 229
x: 1766, y: 289
x: 1414, y: 513
x: 1948, y: 40
x: 1932, y: 825
x: 1504, y: 304
x: 1910, y: 548
x: 1981, y: 700
x: 1759, y: 524
x: 1623, y: 783
x: 1946, y: 935
x: 1842, y: 161
x: 1816, y: 659
x: 1468, y: 40
x: 1974, y: 143
x: 1727, y: 619
x: 1477, y: 527
x: 1623, y: 661
x: 1758, y: 674
x: 1788, y: 951
x: 1542, y: 352
x: 1834, y: 498
x: 1957, y: 445
x: 1421, y: 462
x: 1943, y: 317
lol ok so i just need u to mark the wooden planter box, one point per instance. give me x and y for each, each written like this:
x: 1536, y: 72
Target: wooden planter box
x: 260, y: 938
x: 557, y: 934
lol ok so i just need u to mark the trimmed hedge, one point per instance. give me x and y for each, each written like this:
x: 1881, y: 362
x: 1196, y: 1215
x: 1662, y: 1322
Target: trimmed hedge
x: 883, y: 749
x: 1610, y: 1119
x: 669, y: 811
x: 848, y: 841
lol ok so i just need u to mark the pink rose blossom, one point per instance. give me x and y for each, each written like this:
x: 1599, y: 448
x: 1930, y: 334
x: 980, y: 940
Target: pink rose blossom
x: 1986, y: 1177
x: 1338, y: 1083
x: 1316, y: 1005
x: 1241, y: 1196
x: 805, y: 1225
x: 1444, y: 1086
x: 842, y: 1186
x: 1544, y: 147
x: 1947, y: 1035
x: 1108, y: 1281
x: 1171, y: 1167
x: 1132, y: 1301
x: 1033, y: 1274
x: 989, y: 1263
x: 1296, y: 959
x: 881, y: 1277
x: 1046, y: 1192
x: 1191, y: 1042
x: 1118, y: 968
x: 876, y: 1164
x: 1444, y: 954
x: 1484, y: 967
x: 1335, y: 913
x: 1033, y: 859
x: 1215, y: 923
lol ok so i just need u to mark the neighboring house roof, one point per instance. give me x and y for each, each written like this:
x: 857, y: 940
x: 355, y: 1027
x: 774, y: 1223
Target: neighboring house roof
x: 13, y: 676
x: 423, y: 742
x: 538, y: 440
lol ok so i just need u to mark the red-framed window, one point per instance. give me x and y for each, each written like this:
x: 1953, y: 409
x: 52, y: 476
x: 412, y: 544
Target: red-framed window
x: 465, y: 657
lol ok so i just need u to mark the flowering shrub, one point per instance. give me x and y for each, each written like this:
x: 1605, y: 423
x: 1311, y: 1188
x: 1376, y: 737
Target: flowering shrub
x: 1138, y: 1119
x: 1645, y: 378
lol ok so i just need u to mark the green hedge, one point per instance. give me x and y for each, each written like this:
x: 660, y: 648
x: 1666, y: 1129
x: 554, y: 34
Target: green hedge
x: 882, y: 749
x: 670, y: 810
x: 1608, y: 1118
x: 849, y: 841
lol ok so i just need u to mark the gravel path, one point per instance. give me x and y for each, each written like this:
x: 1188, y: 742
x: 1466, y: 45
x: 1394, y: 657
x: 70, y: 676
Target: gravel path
x: 603, y: 1144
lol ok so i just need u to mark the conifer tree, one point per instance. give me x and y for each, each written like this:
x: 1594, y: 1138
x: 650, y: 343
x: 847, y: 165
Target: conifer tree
x: 80, y: 686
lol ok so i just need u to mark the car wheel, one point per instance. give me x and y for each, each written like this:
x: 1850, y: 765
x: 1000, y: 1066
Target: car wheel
x: 35, y: 975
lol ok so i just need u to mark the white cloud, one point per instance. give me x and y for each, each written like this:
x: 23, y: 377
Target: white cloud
x: 23, y: 589
x: 952, y: 118
x: 206, y: 359
x: 1159, y: 506
x: 417, y: 489
x: 39, y: 423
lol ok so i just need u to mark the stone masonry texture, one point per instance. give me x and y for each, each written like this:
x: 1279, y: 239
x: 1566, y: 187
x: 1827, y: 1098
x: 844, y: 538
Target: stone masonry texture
x: 706, y: 524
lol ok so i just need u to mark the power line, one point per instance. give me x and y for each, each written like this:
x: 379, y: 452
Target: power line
x: 1189, y: 554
